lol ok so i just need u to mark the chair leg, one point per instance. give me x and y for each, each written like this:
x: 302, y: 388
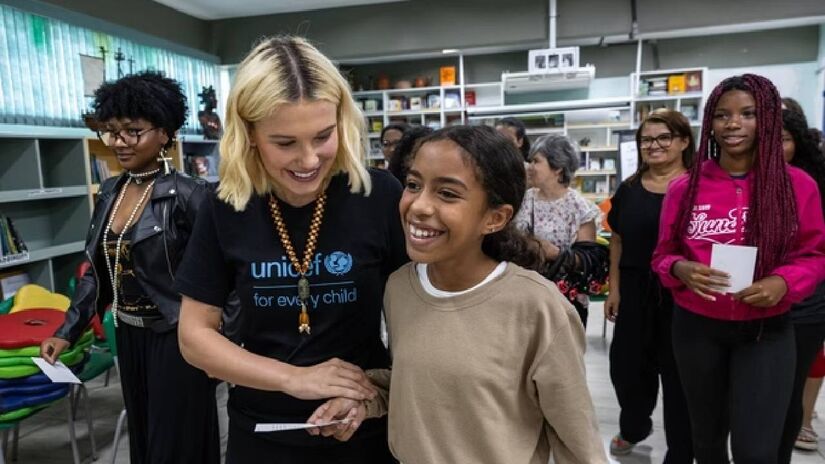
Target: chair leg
x: 70, y: 420
x: 106, y: 379
x: 118, y: 429
x: 89, y: 421
x: 4, y: 444
x: 14, y: 442
x: 604, y: 328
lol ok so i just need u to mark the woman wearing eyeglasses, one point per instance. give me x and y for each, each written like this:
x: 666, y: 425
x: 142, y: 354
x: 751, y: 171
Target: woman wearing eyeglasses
x: 390, y: 136
x: 140, y: 227
x: 641, y: 309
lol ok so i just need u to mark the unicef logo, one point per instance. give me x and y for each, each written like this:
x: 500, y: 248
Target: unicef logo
x: 338, y: 263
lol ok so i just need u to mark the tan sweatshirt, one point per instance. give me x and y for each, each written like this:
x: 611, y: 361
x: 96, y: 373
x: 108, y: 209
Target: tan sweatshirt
x: 492, y: 376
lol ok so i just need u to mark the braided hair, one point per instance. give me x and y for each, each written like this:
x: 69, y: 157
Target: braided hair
x: 772, y: 215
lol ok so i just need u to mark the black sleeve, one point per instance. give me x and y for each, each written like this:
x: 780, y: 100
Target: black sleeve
x: 86, y: 294
x: 204, y: 273
x: 615, y: 209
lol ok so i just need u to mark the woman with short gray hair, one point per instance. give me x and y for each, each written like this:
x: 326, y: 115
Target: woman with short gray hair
x: 557, y: 215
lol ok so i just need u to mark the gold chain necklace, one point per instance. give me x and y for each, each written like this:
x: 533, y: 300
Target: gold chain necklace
x: 309, y: 250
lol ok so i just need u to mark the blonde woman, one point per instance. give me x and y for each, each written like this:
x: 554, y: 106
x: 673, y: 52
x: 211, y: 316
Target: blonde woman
x: 306, y: 237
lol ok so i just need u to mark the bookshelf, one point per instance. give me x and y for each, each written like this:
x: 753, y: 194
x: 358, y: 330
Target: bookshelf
x: 434, y: 106
x: 44, y: 189
x: 683, y: 90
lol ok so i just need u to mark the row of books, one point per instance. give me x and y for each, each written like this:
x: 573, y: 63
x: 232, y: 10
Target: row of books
x: 100, y: 170
x: 11, y: 244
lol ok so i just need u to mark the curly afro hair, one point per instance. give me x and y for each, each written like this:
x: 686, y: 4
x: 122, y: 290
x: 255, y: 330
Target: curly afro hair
x: 148, y: 95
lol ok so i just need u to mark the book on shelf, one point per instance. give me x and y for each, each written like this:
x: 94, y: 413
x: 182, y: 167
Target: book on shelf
x: 12, y: 245
x: 676, y: 84
x: 693, y: 81
x: 100, y: 170
x: 11, y: 281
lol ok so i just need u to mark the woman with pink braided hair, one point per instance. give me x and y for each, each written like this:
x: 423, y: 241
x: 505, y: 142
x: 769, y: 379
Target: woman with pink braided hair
x: 734, y: 351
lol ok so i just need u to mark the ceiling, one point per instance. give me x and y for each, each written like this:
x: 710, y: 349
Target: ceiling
x: 221, y: 9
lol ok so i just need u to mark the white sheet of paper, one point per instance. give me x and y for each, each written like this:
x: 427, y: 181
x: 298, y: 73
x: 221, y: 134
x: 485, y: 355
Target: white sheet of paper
x: 280, y: 427
x: 738, y: 261
x: 630, y: 158
x: 59, y: 373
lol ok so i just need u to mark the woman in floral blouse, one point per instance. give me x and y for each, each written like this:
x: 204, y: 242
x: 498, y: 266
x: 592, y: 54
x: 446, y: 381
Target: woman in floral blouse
x: 558, y: 216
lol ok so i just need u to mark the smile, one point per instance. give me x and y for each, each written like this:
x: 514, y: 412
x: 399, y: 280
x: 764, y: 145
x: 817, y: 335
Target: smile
x: 424, y: 233
x: 304, y: 176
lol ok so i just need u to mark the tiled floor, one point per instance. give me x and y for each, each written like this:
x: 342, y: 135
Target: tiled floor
x: 44, y: 438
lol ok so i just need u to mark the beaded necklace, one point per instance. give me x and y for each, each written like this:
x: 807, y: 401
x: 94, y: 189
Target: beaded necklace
x: 309, y: 250
x: 113, y: 272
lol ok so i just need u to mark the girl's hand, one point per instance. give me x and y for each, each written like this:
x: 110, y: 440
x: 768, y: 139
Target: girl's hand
x: 330, y: 379
x: 352, y: 412
x: 51, y: 348
x: 611, y: 305
x: 701, y: 279
x: 764, y: 293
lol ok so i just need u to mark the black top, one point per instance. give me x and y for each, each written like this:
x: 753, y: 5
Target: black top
x: 360, y: 243
x: 131, y: 295
x: 634, y: 216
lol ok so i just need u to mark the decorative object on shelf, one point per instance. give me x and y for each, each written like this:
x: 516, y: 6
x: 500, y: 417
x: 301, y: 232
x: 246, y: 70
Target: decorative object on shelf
x: 210, y: 122
x: 584, y: 142
x: 422, y: 81
x: 383, y: 82
x: 693, y: 81
x: 415, y: 103
x: 403, y: 84
x: 433, y: 101
x: 548, y: 60
x: 452, y: 100
x: 469, y: 98
x: 447, y: 75
x: 370, y: 104
x: 676, y: 84
x: 396, y: 104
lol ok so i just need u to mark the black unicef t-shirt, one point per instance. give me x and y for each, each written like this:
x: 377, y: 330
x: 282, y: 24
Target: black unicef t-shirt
x: 360, y: 243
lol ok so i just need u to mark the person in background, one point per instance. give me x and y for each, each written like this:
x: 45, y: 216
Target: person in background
x: 140, y: 228
x: 390, y: 136
x: 514, y: 129
x: 400, y: 159
x: 488, y: 356
x: 555, y: 214
x: 732, y: 349
x: 802, y: 150
x: 306, y: 236
x: 641, y: 349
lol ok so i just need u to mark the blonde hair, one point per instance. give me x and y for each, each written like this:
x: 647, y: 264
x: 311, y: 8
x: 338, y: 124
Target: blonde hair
x: 285, y: 69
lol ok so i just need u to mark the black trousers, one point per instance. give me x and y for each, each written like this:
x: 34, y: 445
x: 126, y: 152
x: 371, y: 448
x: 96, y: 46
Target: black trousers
x: 809, y: 338
x: 737, y: 378
x: 641, y: 352
x: 247, y: 447
x: 170, y: 405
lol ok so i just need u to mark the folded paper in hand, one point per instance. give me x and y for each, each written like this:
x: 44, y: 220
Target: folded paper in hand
x: 736, y: 260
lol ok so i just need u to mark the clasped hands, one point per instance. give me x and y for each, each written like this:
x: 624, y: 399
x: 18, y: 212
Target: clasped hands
x: 707, y: 282
x: 347, y: 387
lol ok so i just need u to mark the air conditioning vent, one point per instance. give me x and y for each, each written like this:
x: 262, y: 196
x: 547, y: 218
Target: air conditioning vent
x: 550, y: 80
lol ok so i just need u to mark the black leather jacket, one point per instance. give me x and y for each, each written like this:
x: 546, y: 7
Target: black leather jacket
x: 159, y: 240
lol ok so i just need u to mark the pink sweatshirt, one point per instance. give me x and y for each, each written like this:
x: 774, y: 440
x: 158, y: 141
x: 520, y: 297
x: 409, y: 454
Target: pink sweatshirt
x: 719, y: 216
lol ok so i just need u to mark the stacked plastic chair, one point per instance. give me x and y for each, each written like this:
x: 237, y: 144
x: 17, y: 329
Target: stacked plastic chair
x: 24, y: 390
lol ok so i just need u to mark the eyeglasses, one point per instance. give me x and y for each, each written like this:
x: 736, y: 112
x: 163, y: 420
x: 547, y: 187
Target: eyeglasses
x: 664, y: 141
x: 389, y: 143
x: 131, y: 137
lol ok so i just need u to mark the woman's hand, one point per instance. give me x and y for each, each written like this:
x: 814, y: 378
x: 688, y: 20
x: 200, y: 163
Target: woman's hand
x: 352, y: 413
x: 330, y: 379
x: 611, y: 305
x: 701, y: 279
x: 51, y: 348
x: 763, y: 293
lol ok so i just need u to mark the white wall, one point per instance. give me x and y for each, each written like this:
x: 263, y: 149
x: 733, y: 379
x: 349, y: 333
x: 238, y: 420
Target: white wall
x: 795, y: 80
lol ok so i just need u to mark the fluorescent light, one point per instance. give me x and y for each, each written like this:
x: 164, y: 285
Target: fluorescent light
x: 449, y: 51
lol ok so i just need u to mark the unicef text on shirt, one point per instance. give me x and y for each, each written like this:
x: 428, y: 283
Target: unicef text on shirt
x: 337, y: 263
